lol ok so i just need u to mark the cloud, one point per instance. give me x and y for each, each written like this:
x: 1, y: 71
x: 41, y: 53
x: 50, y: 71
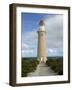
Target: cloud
x: 25, y: 46
x: 54, y: 52
x: 29, y: 44
x: 29, y: 53
x: 54, y: 29
x: 30, y: 38
x: 54, y: 38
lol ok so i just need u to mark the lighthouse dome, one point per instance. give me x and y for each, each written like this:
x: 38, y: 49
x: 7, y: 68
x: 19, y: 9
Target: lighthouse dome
x: 42, y: 22
x: 41, y: 25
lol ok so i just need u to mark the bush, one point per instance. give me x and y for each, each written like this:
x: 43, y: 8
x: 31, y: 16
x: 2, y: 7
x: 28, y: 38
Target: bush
x: 60, y: 73
x: 56, y: 64
x: 53, y: 67
x: 28, y: 66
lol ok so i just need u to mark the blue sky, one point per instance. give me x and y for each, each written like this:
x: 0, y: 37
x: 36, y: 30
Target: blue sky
x: 54, y: 37
x: 31, y: 20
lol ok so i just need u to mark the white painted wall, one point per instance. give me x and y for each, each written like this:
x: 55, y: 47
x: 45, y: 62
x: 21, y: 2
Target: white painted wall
x: 4, y: 45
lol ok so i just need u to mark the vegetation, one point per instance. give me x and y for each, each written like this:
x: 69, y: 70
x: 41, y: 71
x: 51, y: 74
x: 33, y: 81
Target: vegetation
x: 56, y: 63
x: 28, y: 65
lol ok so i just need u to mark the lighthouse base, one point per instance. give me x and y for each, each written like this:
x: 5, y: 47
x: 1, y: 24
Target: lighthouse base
x: 42, y: 60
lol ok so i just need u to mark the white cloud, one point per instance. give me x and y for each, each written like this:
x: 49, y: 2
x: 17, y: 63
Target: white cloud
x: 54, y: 44
x: 54, y: 29
x: 30, y: 38
x: 51, y: 50
x: 25, y: 45
x: 29, y: 53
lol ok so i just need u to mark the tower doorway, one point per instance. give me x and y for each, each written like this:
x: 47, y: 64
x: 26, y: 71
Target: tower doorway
x: 42, y: 60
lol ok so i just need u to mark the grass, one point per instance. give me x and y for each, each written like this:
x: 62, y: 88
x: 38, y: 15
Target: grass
x: 28, y: 66
x: 56, y: 64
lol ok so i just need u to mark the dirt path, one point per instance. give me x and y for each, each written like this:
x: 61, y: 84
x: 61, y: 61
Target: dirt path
x: 42, y: 70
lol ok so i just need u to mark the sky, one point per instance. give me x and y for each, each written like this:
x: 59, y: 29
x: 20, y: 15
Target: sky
x: 29, y: 36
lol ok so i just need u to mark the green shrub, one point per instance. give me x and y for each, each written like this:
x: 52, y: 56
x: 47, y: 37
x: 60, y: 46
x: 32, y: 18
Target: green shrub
x: 28, y: 66
x: 56, y: 64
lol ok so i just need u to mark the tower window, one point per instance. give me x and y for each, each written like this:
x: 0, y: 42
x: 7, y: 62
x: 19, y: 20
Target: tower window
x: 41, y: 34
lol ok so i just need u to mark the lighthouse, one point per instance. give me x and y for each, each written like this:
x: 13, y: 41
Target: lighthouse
x: 41, y: 42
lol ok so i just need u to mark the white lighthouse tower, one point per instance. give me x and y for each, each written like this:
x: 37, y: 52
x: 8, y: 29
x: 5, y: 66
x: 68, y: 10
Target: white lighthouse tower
x: 42, y: 42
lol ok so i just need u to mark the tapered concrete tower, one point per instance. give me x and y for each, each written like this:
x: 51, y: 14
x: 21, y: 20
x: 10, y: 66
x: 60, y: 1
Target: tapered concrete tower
x: 42, y: 42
